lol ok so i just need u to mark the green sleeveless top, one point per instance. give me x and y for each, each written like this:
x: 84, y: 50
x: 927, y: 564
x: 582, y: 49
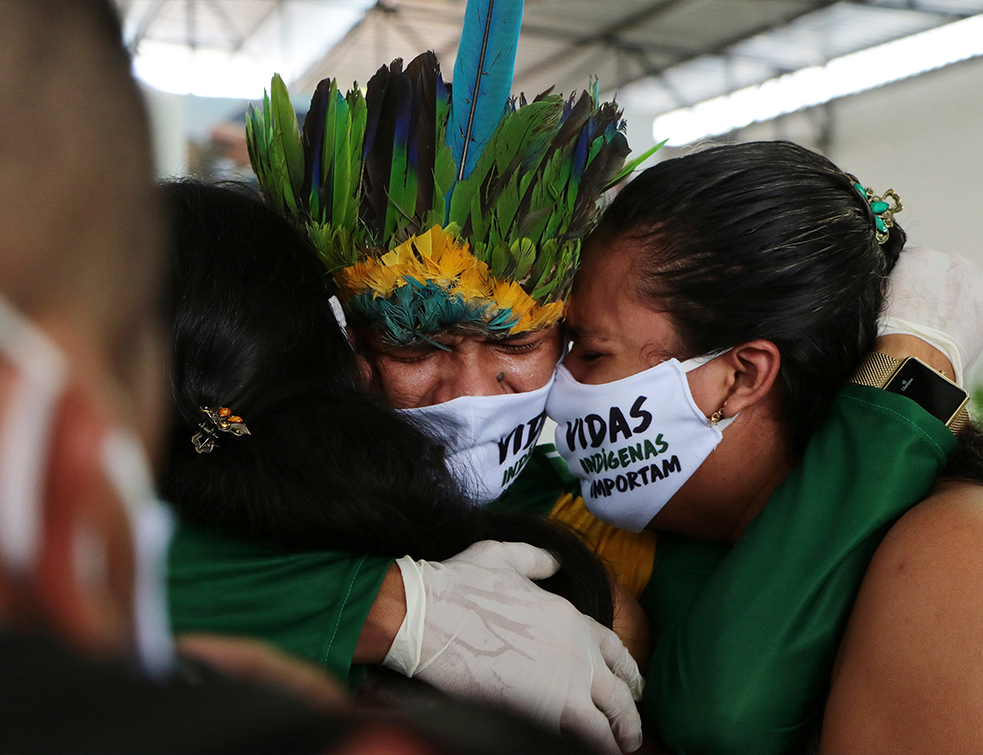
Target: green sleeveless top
x: 745, y: 639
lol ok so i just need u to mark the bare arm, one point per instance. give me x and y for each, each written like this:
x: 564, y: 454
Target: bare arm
x: 909, y: 675
x: 901, y: 345
x: 383, y: 621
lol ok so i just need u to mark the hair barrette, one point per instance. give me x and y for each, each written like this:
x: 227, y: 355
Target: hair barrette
x: 882, y: 209
x: 216, y: 421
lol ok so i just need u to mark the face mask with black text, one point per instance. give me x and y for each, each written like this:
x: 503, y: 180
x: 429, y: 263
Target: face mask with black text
x: 487, y: 439
x: 632, y: 442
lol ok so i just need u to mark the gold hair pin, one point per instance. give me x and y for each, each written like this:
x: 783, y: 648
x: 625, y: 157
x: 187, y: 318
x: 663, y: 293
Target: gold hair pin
x: 216, y: 421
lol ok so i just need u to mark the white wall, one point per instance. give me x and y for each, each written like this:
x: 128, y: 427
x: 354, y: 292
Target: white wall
x: 170, y: 130
x: 922, y: 137
x: 177, y: 119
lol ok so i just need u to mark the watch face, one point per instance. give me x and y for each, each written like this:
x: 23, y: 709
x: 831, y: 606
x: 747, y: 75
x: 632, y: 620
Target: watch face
x: 939, y: 396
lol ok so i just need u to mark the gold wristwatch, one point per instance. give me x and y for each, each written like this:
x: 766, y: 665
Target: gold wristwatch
x: 911, y: 377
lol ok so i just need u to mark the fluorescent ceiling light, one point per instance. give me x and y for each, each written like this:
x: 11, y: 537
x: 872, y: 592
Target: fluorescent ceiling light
x: 808, y: 87
x: 202, y: 72
x: 287, y: 45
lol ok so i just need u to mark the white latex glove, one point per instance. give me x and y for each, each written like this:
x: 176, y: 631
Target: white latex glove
x: 478, y: 628
x: 937, y: 296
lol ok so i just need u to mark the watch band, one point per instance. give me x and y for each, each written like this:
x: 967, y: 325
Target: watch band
x: 960, y: 421
x: 878, y: 368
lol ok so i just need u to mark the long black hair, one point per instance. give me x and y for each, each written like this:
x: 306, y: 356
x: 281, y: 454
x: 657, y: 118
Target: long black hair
x: 326, y: 465
x: 762, y: 240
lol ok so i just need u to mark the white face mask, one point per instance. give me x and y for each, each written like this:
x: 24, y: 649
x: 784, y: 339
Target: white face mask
x: 487, y: 439
x: 25, y: 439
x: 632, y: 442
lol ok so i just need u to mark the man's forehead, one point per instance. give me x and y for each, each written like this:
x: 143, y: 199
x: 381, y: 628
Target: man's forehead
x: 451, y: 337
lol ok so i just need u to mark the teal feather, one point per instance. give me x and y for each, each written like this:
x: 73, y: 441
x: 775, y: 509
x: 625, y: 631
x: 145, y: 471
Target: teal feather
x: 419, y: 309
x: 482, y: 77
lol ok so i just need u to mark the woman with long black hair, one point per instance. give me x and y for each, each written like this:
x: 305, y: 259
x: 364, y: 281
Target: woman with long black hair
x: 723, y: 302
x: 281, y: 465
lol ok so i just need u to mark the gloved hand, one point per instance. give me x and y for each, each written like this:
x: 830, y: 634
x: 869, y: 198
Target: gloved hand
x: 487, y: 633
x: 938, y: 297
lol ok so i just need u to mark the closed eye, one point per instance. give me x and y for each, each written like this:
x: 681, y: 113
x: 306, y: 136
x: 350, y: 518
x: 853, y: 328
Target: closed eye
x: 579, y: 352
x: 518, y: 348
x: 409, y: 355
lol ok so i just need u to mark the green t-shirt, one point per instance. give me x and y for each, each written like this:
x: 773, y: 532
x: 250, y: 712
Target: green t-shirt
x: 312, y: 604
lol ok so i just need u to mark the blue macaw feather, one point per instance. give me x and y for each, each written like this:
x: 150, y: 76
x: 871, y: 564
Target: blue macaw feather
x: 482, y: 77
x: 313, y: 136
x: 394, y: 126
x: 568, y: 106
x: 424, y: 73
x: 377, y: 152
x: 580, y: 152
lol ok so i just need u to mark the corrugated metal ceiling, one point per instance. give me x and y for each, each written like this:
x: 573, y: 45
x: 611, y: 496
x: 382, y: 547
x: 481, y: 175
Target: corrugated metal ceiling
x: 659, y: 54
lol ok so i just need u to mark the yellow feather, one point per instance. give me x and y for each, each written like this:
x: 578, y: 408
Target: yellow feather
x: 438, y: 256
x: 540, y: 317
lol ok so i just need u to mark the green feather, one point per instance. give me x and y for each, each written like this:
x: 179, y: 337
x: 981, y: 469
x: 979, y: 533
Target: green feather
x: 342, y: 195
x: 397, y: 191
x: 358, y: 114
x: 267, y: 117
x: 629, y: 167
x: 444, y: 170
x: 256, y: 143
x: 542, y: 266
x: 285, y: 119
x: 444, y: 174
x: 501, y: 256
x: 524, y: 253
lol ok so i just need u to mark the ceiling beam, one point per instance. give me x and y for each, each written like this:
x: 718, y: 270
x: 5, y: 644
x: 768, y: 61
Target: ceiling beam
x: 237, y: 39
x: 654, y: 10
x: 605, y: 37
x: 913, y: 5
x: 273, y: 8
x: 145, y: 23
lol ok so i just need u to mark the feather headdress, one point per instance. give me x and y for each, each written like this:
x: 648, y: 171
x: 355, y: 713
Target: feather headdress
x: 441, y: 207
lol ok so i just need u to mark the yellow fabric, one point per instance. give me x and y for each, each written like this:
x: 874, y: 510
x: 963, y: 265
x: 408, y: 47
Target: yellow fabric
x: 628, y: 556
